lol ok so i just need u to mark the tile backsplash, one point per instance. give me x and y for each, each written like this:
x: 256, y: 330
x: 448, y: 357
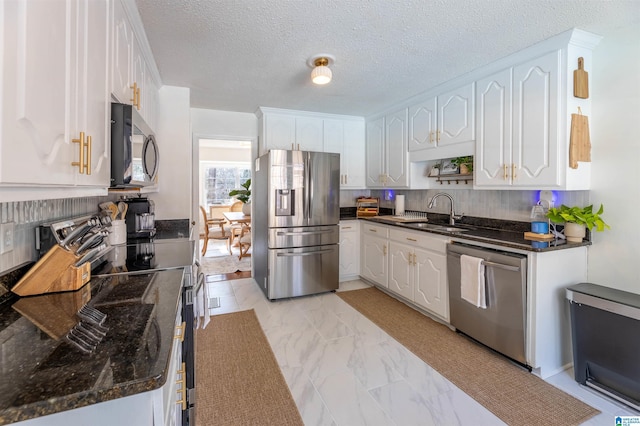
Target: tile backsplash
x: 28, y: 215
x: 505, y: 205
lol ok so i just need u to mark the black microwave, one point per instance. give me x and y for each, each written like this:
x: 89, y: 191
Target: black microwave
x: 134, y: 152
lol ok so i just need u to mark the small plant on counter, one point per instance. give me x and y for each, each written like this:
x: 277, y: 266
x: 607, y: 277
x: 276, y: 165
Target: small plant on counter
x: 243, y: 195
x: 578, y: 215
x: 462, y: 162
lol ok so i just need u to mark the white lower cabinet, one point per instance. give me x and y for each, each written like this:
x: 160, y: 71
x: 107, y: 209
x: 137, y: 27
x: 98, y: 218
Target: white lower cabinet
x: 411, y: 264
x: 349, y: 250
x: 373, y: 253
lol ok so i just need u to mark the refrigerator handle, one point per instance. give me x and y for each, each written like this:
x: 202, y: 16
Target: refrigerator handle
x: 310, y: 186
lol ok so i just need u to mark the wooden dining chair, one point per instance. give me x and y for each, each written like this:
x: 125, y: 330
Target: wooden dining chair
x: 236, y: 228
x: 244, y: 241
x: 215, y: 229
x: 236, y: 207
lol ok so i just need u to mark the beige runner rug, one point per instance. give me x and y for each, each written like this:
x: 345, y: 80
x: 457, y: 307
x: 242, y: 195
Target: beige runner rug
x: 238, y: 381
x: 514, y: 395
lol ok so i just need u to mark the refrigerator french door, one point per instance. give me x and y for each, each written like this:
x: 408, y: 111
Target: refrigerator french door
x: 295, y: 223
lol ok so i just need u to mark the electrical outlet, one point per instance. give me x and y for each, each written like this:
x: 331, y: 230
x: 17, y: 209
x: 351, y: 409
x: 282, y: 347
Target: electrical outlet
x: 7, y: 235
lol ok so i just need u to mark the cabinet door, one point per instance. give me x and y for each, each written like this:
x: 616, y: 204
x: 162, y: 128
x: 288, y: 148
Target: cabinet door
x: 352, y: 157
x: 121, y: 55
x: 375, y: 153
x: 373, y: 263
x: 456, y: 116
x: 36, y: 145
x: 431, y: 288
x: 493, y: 137
x: 422, y: 125
x: 90, y: 111
x: 280, y: 131
x: 309, y: 134
x: 138, y: 74
x: 349, y: 249
x: 396, y: 149
x: 333, y: 138
x: 401, y: 269
x: 535, y: 122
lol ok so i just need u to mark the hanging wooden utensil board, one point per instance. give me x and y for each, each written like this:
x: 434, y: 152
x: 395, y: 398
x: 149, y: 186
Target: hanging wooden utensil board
x: 581, y: 81
x: 579, y: 141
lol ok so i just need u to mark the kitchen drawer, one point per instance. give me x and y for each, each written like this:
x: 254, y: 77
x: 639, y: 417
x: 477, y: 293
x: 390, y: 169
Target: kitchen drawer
x: 377, y: 230
x: 420, y: 239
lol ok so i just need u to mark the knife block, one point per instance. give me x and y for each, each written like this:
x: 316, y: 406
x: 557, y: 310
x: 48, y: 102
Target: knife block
x: 54, y: 272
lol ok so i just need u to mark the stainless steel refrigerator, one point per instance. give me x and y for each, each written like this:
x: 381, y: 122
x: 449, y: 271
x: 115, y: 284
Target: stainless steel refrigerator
x: 296, y: 210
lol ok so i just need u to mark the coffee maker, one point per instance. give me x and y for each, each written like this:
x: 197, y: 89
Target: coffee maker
x: 140, y: 218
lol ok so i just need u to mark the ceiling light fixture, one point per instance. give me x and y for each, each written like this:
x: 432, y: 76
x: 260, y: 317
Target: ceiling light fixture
x: 321, y: 73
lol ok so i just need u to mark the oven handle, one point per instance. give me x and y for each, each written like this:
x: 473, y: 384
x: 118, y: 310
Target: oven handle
x: 493, y: 264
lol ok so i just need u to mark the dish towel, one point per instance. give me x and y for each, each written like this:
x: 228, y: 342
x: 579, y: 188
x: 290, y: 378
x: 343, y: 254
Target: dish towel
x: 472, y: 283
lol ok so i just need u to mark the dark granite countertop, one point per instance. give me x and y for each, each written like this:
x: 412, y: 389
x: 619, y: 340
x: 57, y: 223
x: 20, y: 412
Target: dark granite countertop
x: 43, y: 372
x: 497, y: 232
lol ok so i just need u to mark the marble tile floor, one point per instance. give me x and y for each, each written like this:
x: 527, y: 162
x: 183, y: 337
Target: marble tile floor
x: 344, y: 370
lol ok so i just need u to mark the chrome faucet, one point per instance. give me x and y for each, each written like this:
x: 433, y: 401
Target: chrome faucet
x: 452, y: 216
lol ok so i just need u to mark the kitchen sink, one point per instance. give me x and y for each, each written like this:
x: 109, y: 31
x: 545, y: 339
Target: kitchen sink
x: 434, y: 227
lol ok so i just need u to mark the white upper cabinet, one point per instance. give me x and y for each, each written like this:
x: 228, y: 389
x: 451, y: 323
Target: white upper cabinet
x: 54, y: 93
x: 456, y: 116
x: 301, y: 130
x: 131, y: 79
x: 422, y: 125
x: 443, y: 120
x: 387, y: 139
x: 518, y: 126
x: 346, y: 137
x: 309, y: 133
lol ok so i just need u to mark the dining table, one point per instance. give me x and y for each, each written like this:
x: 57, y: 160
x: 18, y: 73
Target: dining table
x: 239, y: 221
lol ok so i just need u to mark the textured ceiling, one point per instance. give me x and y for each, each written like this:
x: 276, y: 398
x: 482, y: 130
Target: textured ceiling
x: 237, y: 55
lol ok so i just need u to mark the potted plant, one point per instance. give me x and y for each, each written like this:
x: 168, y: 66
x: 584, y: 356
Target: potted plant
x: 465, y: 164
x: 243, y: 195
x: 576, y: 219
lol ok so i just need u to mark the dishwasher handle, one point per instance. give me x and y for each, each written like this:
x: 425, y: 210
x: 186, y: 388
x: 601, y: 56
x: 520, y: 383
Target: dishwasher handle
x: 493, y: 264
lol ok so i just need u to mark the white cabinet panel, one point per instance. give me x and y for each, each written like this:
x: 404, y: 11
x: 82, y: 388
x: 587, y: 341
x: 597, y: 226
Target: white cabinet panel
x: 346, y: 137
x: 349, y: 250
x: 54, y: 90
x: 309, y: 134
x: 121, y: 55
x: 456, y: 116
x: 373, y: 263
x: 401, y: 269
x: 422, y: 125
x: 396, y: 149
x: 375, y: 153
x: 431, y: 286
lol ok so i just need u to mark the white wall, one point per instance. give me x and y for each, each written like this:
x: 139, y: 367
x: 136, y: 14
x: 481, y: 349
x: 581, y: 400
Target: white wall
x: 174, y: 144
x: 615, y: 133
x: 224, y: 124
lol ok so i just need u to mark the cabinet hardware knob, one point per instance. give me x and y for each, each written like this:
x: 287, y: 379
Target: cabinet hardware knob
x: 81, y: 163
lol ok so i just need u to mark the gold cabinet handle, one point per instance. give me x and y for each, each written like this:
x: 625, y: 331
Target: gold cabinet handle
x: 346, y: 179
x: 87, y: 165
x: 134, y: 100
x: 138, y: 98
x: 412, y: 239
x: 346, y: 227
x: 81, y: 163
x: 437, y: 135
x: 505, y: 171
x: 372, y: 230
x: 183, y: 389
x: 180, y: 335
x: 513, y: 171
x: 384, y: 250
x: 431, y: 136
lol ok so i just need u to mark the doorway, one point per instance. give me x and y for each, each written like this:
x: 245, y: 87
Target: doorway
x: 222, y: 165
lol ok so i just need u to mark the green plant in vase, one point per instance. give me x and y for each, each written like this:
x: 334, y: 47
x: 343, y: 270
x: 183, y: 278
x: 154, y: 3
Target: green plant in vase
x: 577, y: 219
x: 465, y: 164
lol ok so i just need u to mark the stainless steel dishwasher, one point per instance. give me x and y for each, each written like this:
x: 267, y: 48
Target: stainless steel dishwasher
x: 501, y: 326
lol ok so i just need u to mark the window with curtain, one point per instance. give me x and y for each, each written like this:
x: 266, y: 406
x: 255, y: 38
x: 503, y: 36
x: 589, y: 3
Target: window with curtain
x: 218, y: 178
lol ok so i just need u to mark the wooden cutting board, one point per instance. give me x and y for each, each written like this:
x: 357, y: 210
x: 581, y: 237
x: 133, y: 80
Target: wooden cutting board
x: 581, y: 81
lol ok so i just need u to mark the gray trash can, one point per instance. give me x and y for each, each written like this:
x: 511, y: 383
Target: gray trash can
x: 605, y: 329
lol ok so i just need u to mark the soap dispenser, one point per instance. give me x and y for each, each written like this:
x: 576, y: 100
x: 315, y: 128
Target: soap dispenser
x: 539, y: 219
